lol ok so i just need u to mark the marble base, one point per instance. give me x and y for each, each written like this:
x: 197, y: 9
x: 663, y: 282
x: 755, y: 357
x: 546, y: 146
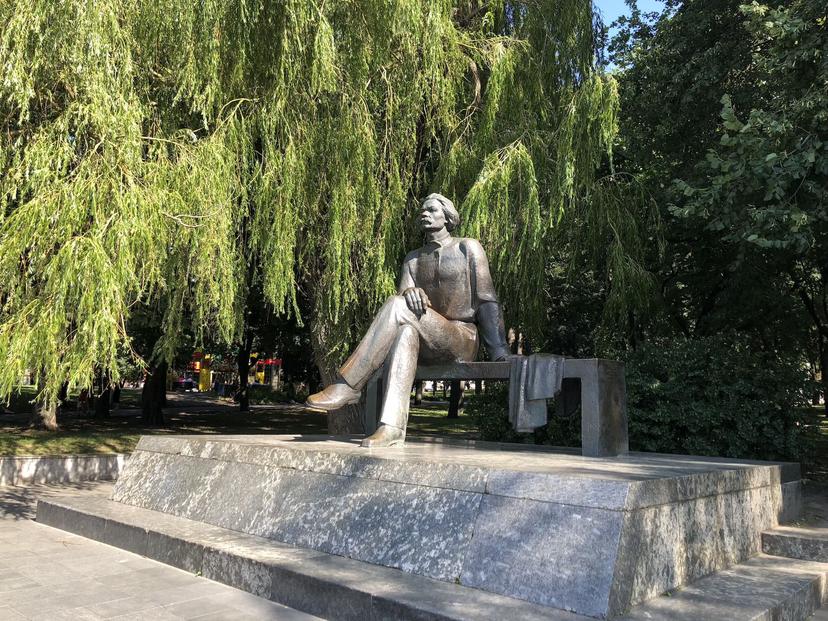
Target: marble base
x: 589, y: 535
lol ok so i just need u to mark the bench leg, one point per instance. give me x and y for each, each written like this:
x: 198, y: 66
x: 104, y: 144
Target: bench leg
x: 603, y: 409
x: 373, y: 402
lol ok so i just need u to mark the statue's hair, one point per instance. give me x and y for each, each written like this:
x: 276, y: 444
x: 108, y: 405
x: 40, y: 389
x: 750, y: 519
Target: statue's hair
x: 451, y: 214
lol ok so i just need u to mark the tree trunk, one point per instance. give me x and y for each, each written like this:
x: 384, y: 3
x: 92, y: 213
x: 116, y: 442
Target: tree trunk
x: 243, y: 363
x: 344, y: 421
x: 45, y: 413
x: 153, y: 396
x: 418, y: 392
x: 456, y: 399
x: 103, y: 401
x: 823, y: 363
x: 63, y: 394
x: 46, y: 416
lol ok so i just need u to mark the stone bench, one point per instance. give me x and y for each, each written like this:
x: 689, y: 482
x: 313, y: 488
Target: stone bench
x: 597, y: 384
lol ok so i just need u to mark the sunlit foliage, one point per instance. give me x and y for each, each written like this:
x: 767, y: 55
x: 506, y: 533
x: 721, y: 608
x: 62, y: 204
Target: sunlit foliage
x: 158, y: 151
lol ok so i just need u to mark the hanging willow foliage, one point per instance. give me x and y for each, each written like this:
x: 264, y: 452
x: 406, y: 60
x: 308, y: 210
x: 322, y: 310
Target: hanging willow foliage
x: 152, y: 149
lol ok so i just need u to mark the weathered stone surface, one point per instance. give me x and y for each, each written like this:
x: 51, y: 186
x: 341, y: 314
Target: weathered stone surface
x: 764, y: 587
x: 332, y: 586
x: 242, y: 573
x: 25, y: 470
x: 590, y: 492
x: 792, y: 502
x: 688, y: 540
x: 376, y: 521
x: 339, y: 588
x: 589, y: 535
x: 542, y: 552
x: 809, y: 544
x: 80, y: 521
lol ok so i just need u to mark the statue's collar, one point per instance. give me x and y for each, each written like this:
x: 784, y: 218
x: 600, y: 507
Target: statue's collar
x: 441, y: 238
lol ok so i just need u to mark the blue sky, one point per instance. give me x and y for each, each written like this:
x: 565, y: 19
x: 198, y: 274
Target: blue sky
x: 610, y: 9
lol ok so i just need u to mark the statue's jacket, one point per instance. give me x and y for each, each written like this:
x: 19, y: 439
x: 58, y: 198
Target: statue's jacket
x: 454, y: 273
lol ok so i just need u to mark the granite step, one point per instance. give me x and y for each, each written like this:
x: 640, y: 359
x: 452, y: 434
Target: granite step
x: 763, y: 588
x: 333, y: 587
x: 810, y: 544
x: 328, y: 586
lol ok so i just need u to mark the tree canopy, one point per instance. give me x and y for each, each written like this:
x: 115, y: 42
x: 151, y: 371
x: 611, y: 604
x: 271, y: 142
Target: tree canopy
x: 169, y: 153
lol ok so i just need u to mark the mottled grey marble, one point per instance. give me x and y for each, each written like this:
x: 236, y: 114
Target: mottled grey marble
x: 339, y: 588
x: 416, y: 528
x: 688, y: 540
x: 585, y: 492
x: 293, y: 451
x: 239, y: 572
x: 555, y: 555
x: 810, y: 544
x: 792, y: 502
x: 589, y: 535
x: 762, y: 588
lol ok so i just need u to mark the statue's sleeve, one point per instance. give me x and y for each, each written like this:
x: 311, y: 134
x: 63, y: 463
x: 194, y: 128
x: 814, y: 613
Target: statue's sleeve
x: 407, y: 274
x: 482, y: 285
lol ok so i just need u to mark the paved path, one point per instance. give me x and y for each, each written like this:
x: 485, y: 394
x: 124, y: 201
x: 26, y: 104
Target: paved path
x: 48, y: 574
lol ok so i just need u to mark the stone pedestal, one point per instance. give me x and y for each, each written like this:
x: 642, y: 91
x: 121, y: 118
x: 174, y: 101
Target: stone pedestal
x: 593, y: 536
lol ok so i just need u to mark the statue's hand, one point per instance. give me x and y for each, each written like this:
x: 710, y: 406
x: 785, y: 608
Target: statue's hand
x: 417, y: 300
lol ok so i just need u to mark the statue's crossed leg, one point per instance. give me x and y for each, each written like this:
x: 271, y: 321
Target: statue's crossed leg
x: 398, y: 338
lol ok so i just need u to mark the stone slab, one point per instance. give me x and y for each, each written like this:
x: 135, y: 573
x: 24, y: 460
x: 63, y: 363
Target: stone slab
x: 809, y: 544
x: 522, y: 547
x: 314, y: 582
x: 589, y: 535
x: 375, y: 521
x: 25, y: 470
x: 793, y: 502
x: 765, y: 587
x: 467, y: 465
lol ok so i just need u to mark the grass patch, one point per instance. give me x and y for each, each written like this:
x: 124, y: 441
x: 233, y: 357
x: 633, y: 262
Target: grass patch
x: 191, y: 414
x: 35, y: 442
x: 425, y: 420
x: 187, y: 414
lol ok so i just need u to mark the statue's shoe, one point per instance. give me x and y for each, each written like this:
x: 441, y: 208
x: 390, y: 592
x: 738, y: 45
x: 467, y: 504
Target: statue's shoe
x: 333, y: 397
x: 386, y: 435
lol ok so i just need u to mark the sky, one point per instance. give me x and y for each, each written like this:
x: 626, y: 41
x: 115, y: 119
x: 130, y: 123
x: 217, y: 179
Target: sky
x: 610, y: 9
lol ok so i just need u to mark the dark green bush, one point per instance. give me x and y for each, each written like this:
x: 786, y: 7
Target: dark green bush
x: 490, y: 412
x: 717, y: 396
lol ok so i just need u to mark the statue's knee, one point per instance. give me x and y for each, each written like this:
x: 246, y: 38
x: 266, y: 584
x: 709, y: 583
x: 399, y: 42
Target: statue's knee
x: 396, y: 303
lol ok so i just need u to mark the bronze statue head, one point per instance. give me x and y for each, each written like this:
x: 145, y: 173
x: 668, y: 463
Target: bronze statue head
x: 438, y: 211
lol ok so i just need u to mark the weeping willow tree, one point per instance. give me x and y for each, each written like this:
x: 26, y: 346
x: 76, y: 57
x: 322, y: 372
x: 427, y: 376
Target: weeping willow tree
x: 171, y: 153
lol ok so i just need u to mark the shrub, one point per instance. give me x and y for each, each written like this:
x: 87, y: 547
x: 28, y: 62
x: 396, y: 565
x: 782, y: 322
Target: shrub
x: 490, y: 411
x: 717, y: 396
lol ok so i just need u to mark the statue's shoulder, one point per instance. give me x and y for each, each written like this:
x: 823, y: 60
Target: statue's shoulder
x: 412, y: 256
x: 471, y: 245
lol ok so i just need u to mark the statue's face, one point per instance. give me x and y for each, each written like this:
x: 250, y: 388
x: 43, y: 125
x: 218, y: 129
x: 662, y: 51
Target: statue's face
x: 432, y: 217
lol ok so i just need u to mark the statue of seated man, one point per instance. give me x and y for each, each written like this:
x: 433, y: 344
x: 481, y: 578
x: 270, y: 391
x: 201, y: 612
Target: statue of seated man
x: 446, y: 304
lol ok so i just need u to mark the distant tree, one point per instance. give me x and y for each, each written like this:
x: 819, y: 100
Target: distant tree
x: 763, y: 189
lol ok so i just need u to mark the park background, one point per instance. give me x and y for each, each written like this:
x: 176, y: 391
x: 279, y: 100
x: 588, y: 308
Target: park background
x: 649, y: 182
